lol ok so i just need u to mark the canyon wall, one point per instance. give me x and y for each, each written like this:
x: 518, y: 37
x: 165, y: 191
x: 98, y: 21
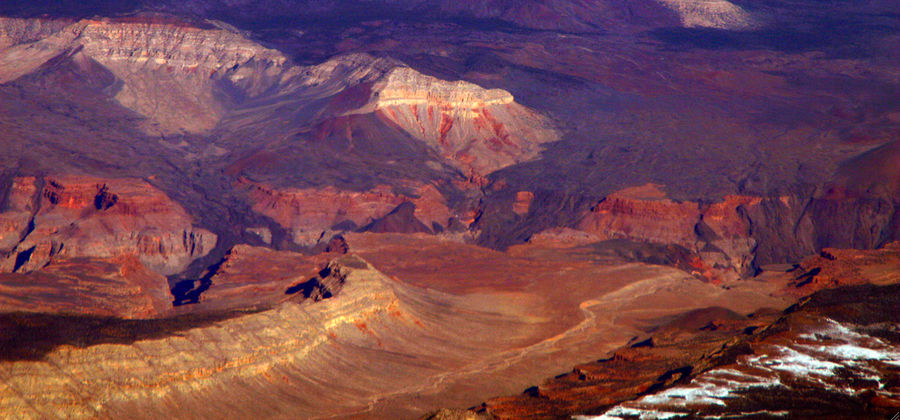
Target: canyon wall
x: 79, y: 216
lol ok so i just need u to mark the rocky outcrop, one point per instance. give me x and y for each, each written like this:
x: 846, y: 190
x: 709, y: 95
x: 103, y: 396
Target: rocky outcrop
x: 742, y: 233
x: 177, y: 74
x: 835, y: 267
x: 833, y: 353
x: 312, y: 213
x: 643, y: 213
x: 478, y: 130
x: 647, y: 364
x: 718, y: 232
x: 258, y: 277
x: 82, y: 216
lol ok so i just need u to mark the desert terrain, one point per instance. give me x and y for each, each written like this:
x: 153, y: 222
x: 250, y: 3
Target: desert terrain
x: 434, y: 209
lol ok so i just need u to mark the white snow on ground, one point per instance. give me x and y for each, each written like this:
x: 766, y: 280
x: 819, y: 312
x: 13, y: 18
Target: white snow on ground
x: 794, y: 362
x: 619, y: 412
x: 814, y: 362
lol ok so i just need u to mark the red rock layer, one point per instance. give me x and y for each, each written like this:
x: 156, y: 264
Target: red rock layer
x: 643, y: 213
x: 718, y: 232
x: 834, y: 268
x: 82, y: 216
x: 309, y: 212
x: 479, y: 140
x: 523, y: 202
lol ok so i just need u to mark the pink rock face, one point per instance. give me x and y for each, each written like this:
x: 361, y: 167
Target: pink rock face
x: 718, y: 232
x: 523, y: 202
x: 478, y: 130
x: 82, y: 216
x: 644, y: 214
x: 310, y: 211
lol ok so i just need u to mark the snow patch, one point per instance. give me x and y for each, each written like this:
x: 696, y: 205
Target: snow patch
x: 836, y: 347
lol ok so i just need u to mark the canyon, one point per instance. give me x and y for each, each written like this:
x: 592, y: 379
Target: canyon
x: 421, y: 208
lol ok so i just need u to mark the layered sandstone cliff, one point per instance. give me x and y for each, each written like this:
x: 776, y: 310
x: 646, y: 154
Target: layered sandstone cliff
x: 189, y: 77
x: 719, y: 233
x: 176, y: 74
x: 741, y: 233
x: 81, y: 216
x: 353, y: 329
x: 314, y: 214
x: 479, y: 130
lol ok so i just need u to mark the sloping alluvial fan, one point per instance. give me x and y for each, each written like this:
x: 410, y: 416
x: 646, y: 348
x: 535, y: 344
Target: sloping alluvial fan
x: 379, y: 208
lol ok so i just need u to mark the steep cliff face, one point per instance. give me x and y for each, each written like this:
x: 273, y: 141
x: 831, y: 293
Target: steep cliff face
x: 80, y: 216
x: 479, y: 130
x: 311, y: 214
x: 259, y: 277
x: 857, y: 209
x: 476, y: 130
x: 179, y: 76
x: 15, y: 31
x: 719, y: 232
x: 643, y: 213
